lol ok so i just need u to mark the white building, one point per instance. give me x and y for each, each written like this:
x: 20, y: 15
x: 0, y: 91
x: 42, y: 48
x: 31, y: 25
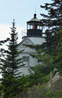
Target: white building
x: 33, y: 37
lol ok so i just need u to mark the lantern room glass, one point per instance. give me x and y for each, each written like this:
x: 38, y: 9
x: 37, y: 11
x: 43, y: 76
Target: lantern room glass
x: 34, y: 26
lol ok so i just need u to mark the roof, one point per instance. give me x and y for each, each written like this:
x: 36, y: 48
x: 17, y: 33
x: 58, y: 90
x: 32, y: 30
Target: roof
x: 26, y: 41
x: 34, y: 19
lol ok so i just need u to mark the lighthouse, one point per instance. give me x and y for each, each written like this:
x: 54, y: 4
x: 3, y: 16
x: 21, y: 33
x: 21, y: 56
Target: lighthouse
x: 34, y: 36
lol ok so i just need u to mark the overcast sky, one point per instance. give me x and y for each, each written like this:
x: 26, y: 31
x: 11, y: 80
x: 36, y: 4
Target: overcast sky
x: 20, y: 10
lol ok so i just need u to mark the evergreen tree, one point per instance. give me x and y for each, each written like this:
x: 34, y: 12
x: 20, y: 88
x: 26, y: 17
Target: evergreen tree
x: 10, y: 65
x: 2, y: 42
x: 52, y: 22
x: 58, y: 58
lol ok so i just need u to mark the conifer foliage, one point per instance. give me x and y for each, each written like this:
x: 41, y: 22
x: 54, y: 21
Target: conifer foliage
x: 52, y: 21
x: 58, y: 58
x: 10, y: 65
x: 54, y: 18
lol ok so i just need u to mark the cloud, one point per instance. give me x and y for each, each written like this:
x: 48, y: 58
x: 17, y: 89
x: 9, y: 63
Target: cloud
x: 6, y: 29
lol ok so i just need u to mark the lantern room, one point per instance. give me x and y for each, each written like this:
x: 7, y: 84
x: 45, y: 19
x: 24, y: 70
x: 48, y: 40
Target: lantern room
x: 34, y: 28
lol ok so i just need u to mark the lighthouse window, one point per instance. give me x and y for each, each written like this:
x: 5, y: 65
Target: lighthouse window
x: 26, y: 58
x: 38, y: 27
x: 29, y: 26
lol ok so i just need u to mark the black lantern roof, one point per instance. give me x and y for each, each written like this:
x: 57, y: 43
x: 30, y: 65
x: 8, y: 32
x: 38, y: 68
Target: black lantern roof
x: 34, y: 20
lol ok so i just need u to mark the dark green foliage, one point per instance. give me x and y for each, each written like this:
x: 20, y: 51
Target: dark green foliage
x: 58, y: 60
x: 2, y: 50
x: 1, y: 87
x: 54, y: 14
x: 42, y: 91
x: 10, y: 65
x: 33, y: 79
x: 52, y: 22
x: 45, y: 62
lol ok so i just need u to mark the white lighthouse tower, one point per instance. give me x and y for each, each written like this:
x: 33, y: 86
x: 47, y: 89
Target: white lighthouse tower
x: 34, y: 37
